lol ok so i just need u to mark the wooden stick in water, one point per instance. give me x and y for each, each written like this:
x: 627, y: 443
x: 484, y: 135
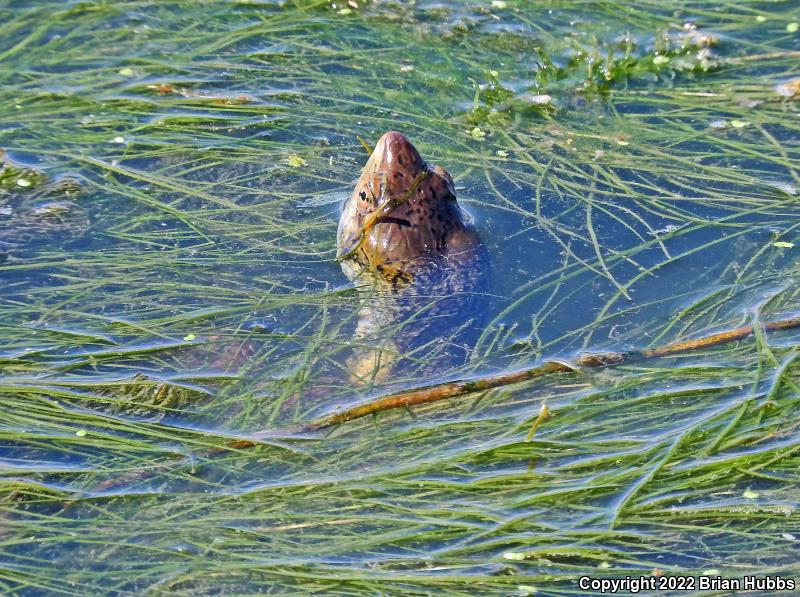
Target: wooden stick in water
x: 456, y: 389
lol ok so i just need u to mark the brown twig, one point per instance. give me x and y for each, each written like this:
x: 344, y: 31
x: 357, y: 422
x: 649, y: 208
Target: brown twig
x: 461, y: 388
x: 456, y: 389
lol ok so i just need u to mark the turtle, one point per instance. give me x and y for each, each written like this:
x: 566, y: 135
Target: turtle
x: 419, y: 263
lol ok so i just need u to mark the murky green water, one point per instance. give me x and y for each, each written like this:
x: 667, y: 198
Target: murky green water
x: 170, y: 296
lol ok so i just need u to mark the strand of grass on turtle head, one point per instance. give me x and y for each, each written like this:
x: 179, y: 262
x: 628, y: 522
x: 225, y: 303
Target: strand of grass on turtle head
x: 382, y: 211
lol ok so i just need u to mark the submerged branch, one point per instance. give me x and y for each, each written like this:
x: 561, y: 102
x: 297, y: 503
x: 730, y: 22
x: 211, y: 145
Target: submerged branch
x: 456, y: 389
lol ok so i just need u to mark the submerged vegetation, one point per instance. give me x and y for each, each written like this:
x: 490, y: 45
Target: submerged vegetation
x: 177, y: 312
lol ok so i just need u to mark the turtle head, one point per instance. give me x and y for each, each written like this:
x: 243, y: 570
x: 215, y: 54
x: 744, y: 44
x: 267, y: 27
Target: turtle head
x: 401, y: 209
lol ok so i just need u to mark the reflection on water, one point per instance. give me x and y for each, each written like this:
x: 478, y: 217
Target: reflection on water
x: 172, y: 309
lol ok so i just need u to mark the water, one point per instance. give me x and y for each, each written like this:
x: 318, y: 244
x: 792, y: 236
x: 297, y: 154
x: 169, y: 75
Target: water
x: 193, y: 305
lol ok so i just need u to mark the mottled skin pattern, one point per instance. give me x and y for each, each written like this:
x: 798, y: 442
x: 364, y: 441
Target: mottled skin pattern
x: 403, y: 236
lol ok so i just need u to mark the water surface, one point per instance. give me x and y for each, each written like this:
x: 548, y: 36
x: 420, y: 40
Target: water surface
x: 632, y: 171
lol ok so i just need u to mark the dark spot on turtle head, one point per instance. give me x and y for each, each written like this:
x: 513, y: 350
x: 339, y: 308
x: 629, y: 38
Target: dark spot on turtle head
x: 396, y: 279
x: 398, y: 174
x: 400, y: 160
x: 363, y: 195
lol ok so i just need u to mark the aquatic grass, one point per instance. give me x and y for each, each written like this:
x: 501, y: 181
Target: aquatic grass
x: 637, y: 210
